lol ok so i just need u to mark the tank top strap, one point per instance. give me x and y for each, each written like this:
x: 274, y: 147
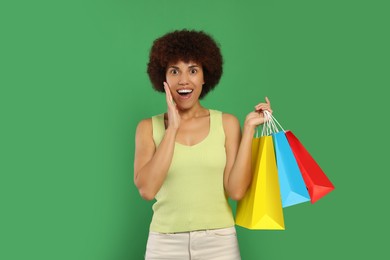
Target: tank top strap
x: 158, y: 126
x: 216, y: 124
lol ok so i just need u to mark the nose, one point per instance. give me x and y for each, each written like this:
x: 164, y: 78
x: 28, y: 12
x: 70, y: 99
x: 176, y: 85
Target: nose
x: 183, y: 80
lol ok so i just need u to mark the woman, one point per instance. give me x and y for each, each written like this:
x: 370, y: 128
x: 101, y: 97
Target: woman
x: 191, y: 159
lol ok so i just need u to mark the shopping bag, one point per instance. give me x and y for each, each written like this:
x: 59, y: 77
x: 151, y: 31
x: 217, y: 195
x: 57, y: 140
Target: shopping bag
x: 315, y: 179
x: 292, y: 186
x: 245, y: 205
x: 261, y: 207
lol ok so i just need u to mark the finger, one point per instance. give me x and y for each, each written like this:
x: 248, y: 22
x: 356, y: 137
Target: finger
x: 260, y: 105
x: 168, y: 93
x: 261, y: 110
x: 263, y: 106
x: 267, y: 100
x: 166, y: 87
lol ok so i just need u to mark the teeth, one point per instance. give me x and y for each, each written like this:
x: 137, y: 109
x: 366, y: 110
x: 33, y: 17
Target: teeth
x: 184, y: 91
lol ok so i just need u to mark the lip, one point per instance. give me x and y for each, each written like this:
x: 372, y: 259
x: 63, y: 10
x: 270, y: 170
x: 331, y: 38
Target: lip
x: 188, y: 96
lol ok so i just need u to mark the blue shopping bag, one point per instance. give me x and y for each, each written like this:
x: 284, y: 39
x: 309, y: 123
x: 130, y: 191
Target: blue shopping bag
x: 292, y: 186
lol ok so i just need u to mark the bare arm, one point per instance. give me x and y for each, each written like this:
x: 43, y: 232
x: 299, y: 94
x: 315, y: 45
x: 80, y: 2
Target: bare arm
x: 151, y: 164
x: 238, y: 175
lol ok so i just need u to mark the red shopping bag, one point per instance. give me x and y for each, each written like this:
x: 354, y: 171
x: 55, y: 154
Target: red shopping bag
x: 315, y: 179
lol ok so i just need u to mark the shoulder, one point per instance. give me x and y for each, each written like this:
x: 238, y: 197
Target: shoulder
x: 231, y: 125
x: 230, y: 120
x: 226, y: 117
x: 145, y: 126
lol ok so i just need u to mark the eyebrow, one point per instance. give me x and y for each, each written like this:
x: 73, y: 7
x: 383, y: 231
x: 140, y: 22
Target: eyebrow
x: 191, y: 66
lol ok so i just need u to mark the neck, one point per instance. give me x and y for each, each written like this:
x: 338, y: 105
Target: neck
x: 193, y: 112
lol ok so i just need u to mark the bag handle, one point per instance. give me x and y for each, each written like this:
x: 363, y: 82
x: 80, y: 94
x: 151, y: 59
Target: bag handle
x: 273, y: 120
x: 267, y: 125
x: 270, y: 126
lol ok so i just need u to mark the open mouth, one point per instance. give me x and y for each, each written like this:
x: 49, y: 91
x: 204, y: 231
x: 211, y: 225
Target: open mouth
x: 184, y: 92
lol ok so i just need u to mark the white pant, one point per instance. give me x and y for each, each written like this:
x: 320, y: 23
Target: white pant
x: 214, y: 244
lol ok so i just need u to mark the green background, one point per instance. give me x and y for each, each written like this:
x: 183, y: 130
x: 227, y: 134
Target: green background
x: 74, y: 86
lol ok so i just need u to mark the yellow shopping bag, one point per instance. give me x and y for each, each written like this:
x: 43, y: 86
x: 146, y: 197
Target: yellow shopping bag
x: 261, y: 207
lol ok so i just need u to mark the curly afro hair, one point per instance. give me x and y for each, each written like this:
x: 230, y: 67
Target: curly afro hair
x: 185, y: 45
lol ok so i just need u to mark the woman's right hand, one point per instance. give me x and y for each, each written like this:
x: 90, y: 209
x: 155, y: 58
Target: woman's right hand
x: 173, y: 113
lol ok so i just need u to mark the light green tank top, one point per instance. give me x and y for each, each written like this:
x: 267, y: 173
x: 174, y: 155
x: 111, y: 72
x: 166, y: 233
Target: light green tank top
x: 192, y: 196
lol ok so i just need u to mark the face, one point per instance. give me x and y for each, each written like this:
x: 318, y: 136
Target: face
x: 185, y: 81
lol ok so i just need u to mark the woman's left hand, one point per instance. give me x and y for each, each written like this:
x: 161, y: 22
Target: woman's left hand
x: 255, y: 118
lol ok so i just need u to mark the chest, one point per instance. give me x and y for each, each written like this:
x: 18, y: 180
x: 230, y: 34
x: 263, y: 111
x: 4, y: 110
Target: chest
x: 193, y: 131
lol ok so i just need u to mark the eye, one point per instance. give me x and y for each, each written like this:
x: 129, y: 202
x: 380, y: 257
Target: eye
x: 174, y: 71
x: 193, y: 71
